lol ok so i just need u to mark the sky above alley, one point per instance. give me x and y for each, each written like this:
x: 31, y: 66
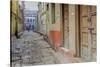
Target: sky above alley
x: 31, y: 5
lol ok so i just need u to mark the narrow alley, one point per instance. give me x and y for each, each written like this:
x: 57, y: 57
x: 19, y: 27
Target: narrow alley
x: 51, y: 33
x: 34, y: 50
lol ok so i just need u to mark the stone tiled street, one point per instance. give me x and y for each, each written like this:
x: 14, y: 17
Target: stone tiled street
x: 33, y: 50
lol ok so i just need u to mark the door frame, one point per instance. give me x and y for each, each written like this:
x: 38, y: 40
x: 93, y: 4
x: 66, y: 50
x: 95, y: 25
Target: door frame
x: 77, y: 34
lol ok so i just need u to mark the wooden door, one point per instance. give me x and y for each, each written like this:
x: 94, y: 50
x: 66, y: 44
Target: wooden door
x: 88, y: 32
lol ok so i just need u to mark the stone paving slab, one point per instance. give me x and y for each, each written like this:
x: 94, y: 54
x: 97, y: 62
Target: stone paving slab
x: 36, y: 51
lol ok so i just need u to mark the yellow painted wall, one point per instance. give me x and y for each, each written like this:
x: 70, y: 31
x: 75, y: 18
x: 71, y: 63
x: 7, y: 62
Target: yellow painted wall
x: 20, y: 25
x: 13, y: 13
x: 13, y: 25
x: 14, y: 4
x: 16, y: 17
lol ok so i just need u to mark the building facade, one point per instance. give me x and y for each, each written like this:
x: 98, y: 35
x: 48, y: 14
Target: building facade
x: 72, y: 27
x: 30, y: 19
x: 42, y: 24
x: 16, y: 18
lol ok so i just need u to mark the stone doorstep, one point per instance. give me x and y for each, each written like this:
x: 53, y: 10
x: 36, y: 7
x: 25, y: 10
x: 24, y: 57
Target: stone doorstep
x: 60, y: 58
x: 66, y: 52
x: 69, y: 55
x: 54, y: 54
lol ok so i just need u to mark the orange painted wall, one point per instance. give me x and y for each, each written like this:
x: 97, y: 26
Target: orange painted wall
x: 55, y: 38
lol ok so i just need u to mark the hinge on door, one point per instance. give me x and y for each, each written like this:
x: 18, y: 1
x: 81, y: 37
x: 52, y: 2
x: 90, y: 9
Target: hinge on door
x: 91, y: 28
x: 91, y: 14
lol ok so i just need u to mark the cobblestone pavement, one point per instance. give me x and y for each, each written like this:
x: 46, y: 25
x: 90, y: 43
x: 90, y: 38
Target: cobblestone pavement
x: 31, y: 49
